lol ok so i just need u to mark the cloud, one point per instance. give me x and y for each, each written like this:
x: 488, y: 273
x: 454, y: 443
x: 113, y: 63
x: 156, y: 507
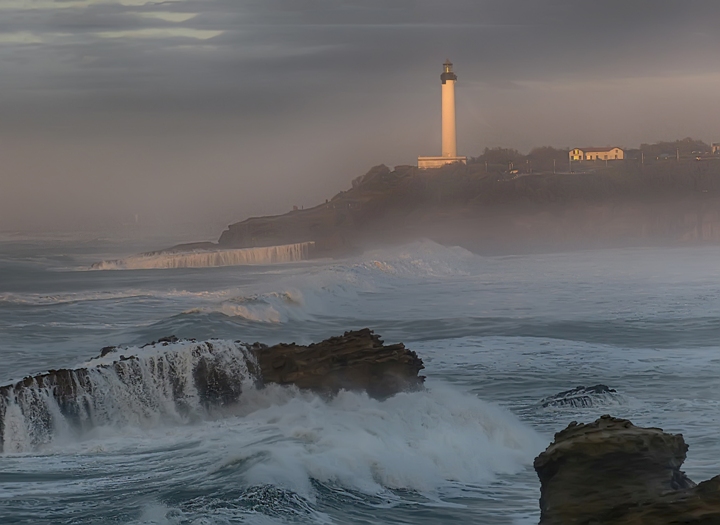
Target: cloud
x: 21, y: 37
x: 161, y: 32
x: 166, y: 15
x: 325, y: 88
x: 33, y: 5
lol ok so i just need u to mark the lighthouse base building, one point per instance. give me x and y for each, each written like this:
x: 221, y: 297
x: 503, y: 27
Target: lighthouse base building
x: 449, y: 134
x: 437, y: 162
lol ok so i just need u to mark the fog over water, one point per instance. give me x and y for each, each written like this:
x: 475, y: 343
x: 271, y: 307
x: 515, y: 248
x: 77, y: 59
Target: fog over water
x: 209, y: 111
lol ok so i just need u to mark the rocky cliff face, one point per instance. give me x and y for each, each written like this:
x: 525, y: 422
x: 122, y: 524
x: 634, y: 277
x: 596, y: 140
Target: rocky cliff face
x: 612, y: 472
x: 494, y: 213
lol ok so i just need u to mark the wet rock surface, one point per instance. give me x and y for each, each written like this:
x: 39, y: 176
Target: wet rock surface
x: 180, y: 379
x: 612, y: 472
x: 354, y: 361
x: 580, y: 397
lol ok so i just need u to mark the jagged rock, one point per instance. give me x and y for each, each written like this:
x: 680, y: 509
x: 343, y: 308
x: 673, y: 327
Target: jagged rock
x: 354, y: 361
x: 580, y: 397
x: 191, y: 376
x: 611, y: 472
x: 106, y: 350
x: 163, y: 340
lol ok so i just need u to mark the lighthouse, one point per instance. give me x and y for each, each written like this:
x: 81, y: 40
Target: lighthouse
x: 449, y: 129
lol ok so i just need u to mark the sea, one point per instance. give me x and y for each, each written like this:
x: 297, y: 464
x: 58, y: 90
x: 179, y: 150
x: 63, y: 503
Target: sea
x: 497, y: 336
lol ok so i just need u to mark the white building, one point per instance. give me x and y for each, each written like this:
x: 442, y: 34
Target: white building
x: 597, y: 154
x: 449, y: 129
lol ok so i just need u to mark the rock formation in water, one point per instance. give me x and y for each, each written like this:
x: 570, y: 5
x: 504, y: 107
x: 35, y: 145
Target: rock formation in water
x: 182, y: 379
x: 611, y: 472
x: 354, y: 361
x: 580, y: 397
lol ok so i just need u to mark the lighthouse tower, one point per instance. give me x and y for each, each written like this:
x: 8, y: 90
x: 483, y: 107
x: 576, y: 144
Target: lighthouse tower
x: 449, y: 130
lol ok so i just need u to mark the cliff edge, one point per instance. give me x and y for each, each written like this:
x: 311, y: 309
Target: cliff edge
x: 622, y: 205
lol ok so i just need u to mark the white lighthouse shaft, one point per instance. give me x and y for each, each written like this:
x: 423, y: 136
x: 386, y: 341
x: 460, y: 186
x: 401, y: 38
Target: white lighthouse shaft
x: 449, y: 137
x: 449, y: 132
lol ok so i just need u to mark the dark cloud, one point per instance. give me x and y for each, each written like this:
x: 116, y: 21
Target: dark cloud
x: 326, y: 88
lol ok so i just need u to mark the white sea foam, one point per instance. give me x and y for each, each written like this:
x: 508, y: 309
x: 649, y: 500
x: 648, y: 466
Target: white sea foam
x: 321, y: 290
x: 418, y: 259
x: 335, y: 288
x: 433, y: 442
x: 419, y: 441
x: 34, y: 299
x: 205, y: 259
x: 157, y: 386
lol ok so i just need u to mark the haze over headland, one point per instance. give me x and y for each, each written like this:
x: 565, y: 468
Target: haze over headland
x: 213, y: 110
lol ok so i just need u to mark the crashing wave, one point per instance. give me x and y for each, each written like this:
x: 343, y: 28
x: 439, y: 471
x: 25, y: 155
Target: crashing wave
x: 168, y: 381
x: 274, y: 307
x: 418, y: 259
x: 206, y: 259
x: 172, y: 381
x: 327, y: 290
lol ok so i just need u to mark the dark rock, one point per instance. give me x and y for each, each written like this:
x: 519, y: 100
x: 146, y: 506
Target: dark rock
x: 164, y: 340
x: 612, y: 472
x: 354, y: 361
x: 580, y: 397
x: 106, y: 350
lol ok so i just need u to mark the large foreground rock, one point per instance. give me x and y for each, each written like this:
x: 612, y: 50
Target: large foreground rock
x: 183, y: 380
x: 612, y: 472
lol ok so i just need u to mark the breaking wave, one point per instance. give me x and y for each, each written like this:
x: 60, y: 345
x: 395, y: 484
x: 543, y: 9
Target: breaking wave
x: 284, y: 439
x: 335, y: 288
x: 205, y: 259
x: 416, y: 441
x: 273, y: 307
x: 169, y: 394
x: 178, y: 382
x: 416, y: 259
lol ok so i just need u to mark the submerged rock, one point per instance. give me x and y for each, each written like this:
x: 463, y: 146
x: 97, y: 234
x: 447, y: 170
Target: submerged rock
x: 580, y: 397
x: 181, y: 380
x: 612, y: 472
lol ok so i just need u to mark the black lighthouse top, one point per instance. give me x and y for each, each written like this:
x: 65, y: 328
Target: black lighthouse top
x: 447, y: 72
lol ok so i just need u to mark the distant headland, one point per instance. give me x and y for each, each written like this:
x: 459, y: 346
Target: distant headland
x: 499, y: 203
x: 503, y: 202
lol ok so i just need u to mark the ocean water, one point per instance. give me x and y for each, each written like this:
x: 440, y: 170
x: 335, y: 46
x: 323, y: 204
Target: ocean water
x: 497, y: 335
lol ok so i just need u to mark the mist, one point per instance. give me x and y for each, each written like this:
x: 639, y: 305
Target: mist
x: 189, y: 114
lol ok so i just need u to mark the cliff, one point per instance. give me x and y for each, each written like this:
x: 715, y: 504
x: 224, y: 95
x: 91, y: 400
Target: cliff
x: 611, y: 472
x: 622, y: 205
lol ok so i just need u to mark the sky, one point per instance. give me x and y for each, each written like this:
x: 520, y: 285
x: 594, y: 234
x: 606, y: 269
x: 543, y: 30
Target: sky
x: 206, y: 112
